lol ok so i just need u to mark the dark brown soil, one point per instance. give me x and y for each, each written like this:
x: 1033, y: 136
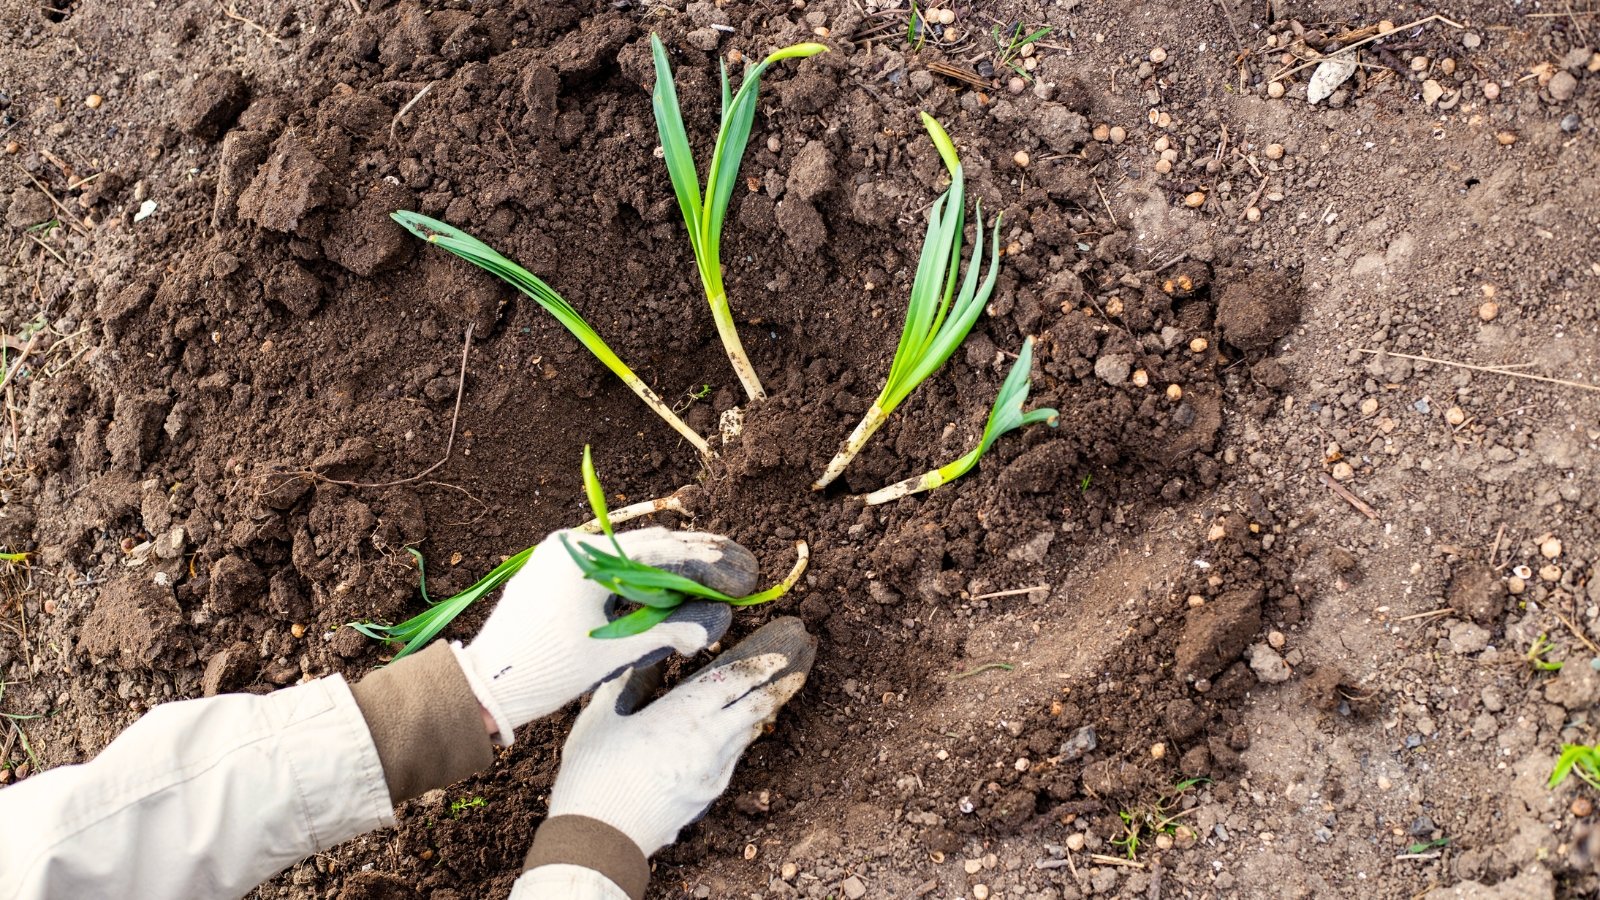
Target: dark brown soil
x: 213, y: 452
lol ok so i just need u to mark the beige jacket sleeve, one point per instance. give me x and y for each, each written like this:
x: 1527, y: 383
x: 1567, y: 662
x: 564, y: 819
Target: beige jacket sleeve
x: 199, y: 799
x: 207, y: 798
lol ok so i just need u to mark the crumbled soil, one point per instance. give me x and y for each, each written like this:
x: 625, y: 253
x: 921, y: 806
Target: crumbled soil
x: 1262, y: 598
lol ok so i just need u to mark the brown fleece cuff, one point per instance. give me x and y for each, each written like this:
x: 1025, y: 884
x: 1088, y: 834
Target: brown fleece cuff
x: 425, y: 721
x: 591, y: 843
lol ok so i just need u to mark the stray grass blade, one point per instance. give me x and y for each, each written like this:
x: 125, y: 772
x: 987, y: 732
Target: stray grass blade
x: 656, y: 591
x: 704, y: 212
x: 1006, y: 415
x: 939, y: 315
x: 490, y: 260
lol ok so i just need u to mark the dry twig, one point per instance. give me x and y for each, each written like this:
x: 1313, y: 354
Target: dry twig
x: 1493, y: 370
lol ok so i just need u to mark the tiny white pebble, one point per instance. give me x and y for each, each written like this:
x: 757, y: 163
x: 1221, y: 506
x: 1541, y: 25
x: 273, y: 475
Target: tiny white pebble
x: 1158, y: 55
x: 1551, y: 548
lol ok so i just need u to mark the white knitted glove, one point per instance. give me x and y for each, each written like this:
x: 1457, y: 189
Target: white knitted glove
x: 534, y: 654
x: 652, y: 772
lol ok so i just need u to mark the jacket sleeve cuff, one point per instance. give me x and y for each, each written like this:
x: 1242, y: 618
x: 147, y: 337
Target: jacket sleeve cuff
x: 592, y: 844
x: 425, y: 722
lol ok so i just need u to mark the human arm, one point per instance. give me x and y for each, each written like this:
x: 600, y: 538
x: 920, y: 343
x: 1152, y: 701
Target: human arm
x: 206, y: 798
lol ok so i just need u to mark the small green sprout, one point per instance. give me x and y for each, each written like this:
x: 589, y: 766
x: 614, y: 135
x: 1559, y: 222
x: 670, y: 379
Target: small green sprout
x: 1422, y: 847
x: 490, y: 260
x: 1009, y: 43
x: 1157, y: 818
x: 916, y: 28
x: 14, y: 557
x: 938, y: 317
x: 1006, y: 415
x: 423, y: 627
x: 462, y: 804
x: 657, y: 591
x: 704, y: 213
x: 1537, y: 653
x: 1084, y: 482
x: 1577, y: 759
x: 14, y: 721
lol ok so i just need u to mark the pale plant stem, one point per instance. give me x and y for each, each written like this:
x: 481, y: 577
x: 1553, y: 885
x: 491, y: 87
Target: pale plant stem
x: 852, y: 445
x: 729, y: 333
x: 633, y: 511
x: 927, y: 481
x: 666, y: 413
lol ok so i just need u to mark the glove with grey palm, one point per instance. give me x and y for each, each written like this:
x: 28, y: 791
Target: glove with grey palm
x: 534, y: 654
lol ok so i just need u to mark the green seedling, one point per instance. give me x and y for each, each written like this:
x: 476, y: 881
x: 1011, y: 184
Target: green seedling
x: 1158, y: 818
x: 938, y: 316
x: 1577, y: 759
x: 916, y: 29
x: 1006, y: 415
x: 490, y: 260
x: 656, y: 591
x: 1537, y: 653
x: 703, y: 213
x: 13, y: 557
x: 462, y: 804
x: 1428, y: 846
x: 1084, y: 482
x: 423, y: 627
x: 1009, y: 43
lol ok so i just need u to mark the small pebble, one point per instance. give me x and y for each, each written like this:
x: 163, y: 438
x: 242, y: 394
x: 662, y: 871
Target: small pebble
x: 972, y: 866
x: 820, y: 31
x: 1022, y: 764
x: 1471, y: 40
x: 1276, y: 640
x: 1384, y: 783
x: 1017, y: 84
x: 1571, y: 122
x: 1158, y: 751
x: 1274, y: 151
x: 1551, y: 548
x: 1491, y: 90
x: 1488, y: 310
x: 774, y: 144
x: 1195, y: 200
x: 1198, y: 345
x: 1275, y: 90
x: 1581, y: 806
x: 1170, y: 155
x: 1253, y: 214
x: 1369, y: 406
x: 1419, y: 63
x: 1343, y: 471
x: 1174, y: 393
x: 1075, y: 841
x: 1118, y: 134
x: 1101, y: 133
x: 12, y: 147
x: 735, y: 57
x: 1562, y: 86
x: 1455, y: 415
x: 93, y: 101
x: 1185, y: 837
x: 1021, y: 158
x: 1158, y: 55
x: 789, y: 871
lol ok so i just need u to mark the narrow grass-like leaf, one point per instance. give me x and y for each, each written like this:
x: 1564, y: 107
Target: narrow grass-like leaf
x: 491, y: 260
x: 418, y: 630
x: 943, y: 305
x: 704, y: 212
x: 1006, y: 415
x: 657, y: 591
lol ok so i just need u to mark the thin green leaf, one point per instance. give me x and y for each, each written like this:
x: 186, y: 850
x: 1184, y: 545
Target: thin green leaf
x: 1564, y: 763
x: 637, y: 622
x: 1037, y: 35
x: 675, y: 143
x: 418, y: 630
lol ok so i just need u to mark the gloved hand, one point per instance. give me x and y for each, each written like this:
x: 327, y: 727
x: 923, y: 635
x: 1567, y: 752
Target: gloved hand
x: 652, y: 772
x: 534, y: 653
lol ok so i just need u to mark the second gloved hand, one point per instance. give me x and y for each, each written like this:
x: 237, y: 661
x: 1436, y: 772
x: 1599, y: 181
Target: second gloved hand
x: 534, y: 653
